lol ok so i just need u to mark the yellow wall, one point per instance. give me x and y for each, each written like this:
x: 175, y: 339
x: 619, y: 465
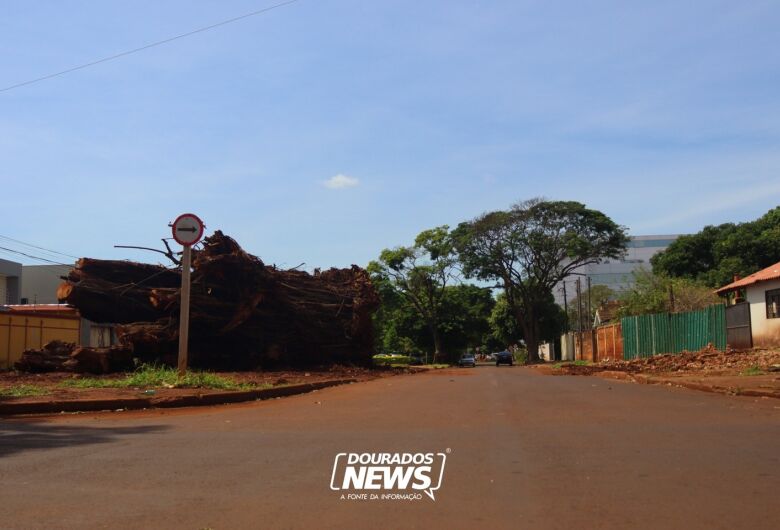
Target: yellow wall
x: 23, y: 332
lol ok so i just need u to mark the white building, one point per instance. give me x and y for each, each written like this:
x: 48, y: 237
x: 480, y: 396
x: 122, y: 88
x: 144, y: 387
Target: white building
x: 40, y: 282
x: 617, y: 274
x: 10, y: 281
x: 761, y: 290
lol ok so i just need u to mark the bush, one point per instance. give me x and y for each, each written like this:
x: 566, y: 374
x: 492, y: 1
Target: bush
x: 521, y: 356
x: 384, y: 359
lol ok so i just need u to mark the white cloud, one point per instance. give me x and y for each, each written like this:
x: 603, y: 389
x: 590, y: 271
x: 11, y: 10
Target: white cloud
x: 341, y: 181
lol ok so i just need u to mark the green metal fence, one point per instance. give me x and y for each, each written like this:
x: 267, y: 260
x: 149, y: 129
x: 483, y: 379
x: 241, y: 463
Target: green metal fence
x: 647, y: 335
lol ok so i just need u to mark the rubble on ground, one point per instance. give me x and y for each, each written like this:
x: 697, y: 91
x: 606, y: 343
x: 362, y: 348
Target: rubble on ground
x: 706, y: 361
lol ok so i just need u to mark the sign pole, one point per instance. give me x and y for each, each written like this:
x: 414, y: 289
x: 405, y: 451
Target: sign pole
x: 184, y: 315
x: 187, y: 230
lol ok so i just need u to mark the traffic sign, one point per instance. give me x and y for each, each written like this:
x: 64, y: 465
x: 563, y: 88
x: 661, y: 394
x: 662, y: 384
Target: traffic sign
x: 187, y: 229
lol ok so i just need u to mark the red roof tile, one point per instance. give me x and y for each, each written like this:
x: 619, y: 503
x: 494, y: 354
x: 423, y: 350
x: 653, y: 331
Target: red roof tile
x: 770, y: 273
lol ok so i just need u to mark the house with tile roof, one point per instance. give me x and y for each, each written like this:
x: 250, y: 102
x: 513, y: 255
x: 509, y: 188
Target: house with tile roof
x: 761, y: 290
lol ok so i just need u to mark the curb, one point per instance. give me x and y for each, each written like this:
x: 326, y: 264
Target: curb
x: 136, y: 403
x: 644, y: 379
x: 703, y: 387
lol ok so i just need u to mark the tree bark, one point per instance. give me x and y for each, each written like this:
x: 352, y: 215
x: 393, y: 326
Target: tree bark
x: 526, y: 320
x: 437, y: 350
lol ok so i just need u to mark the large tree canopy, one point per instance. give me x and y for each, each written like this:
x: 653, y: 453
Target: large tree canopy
x: 533, y: 246
x: 717, y: 253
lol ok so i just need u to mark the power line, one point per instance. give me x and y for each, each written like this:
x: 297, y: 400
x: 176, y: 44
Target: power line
x: 33, y: 257
x: 147, y: 46
x: 49, y: 251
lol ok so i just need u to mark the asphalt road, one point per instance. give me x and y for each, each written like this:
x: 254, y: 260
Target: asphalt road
x: 525, y: 451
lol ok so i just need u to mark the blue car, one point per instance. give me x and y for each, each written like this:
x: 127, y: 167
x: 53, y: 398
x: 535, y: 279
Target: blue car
x: 504, y: 357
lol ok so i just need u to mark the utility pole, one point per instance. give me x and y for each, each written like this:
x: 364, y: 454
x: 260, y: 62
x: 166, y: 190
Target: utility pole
x: 590, y: 312
x: 579, y: 305
x: 566, y: 307
x: 579, y: 315
x: 671, y: 298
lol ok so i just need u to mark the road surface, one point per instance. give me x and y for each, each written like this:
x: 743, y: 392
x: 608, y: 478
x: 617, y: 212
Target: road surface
x: 526, y: 451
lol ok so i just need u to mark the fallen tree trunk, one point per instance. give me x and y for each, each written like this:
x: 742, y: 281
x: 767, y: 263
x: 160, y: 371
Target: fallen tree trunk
x: 100, y: 360
x: 50, y: 358
x: 242, y: 312
x: 58, y: 356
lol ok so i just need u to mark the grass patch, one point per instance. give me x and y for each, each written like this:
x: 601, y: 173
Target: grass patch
x: 579, y: 362
x: 23, y: 391
x: 753, y: 370
x: 152, y: 376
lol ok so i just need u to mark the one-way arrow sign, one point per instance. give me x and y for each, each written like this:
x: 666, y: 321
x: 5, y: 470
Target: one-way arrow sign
x: 187, y: 229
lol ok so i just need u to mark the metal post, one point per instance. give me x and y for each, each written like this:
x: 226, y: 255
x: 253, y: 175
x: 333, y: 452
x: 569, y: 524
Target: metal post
x: 579, y: 305
x: 579, y: 315
x: 590, y: 311
x: 184, y: 315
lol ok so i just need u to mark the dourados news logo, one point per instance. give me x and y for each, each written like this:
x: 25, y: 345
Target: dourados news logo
x: 387, y: 476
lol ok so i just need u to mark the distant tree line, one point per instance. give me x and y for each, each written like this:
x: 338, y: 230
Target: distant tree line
x: 685, y: 274
x: 517, y: 256
x: 520, y: 254
x: 716, y: 254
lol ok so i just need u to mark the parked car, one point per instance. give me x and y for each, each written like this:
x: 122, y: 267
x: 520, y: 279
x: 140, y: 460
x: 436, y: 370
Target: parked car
x: 467, y: 360
x: 504, y: 357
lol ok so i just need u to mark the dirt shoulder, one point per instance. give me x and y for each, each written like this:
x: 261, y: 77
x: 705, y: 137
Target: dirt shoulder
x: 749, y: 373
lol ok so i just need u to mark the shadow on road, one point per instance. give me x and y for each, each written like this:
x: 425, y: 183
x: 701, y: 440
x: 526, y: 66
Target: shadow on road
x: 17, y: 437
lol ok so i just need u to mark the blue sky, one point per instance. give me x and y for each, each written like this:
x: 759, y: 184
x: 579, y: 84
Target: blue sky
x: 664, y: 115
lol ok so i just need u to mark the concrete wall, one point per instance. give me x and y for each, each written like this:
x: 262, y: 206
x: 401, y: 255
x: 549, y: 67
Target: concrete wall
x: 547, y: 351
x: 20, y: 331
x: 766, y: 332
x: 567, y: 346
x: 40, y: 282
x: 11, y: 273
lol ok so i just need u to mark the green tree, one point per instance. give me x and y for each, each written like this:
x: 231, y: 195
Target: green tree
x: 653, y: 293
x: 503, y: 324
x: 506, y: 330
x: 463, y: 323
x: 598, y: 295
x: 465, y: 317
x: 530, y: 248
x: 716, y: 254
x: 420, y: 274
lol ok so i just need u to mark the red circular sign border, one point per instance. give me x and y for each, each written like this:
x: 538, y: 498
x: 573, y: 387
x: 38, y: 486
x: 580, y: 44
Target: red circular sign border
x: 200, y: 225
